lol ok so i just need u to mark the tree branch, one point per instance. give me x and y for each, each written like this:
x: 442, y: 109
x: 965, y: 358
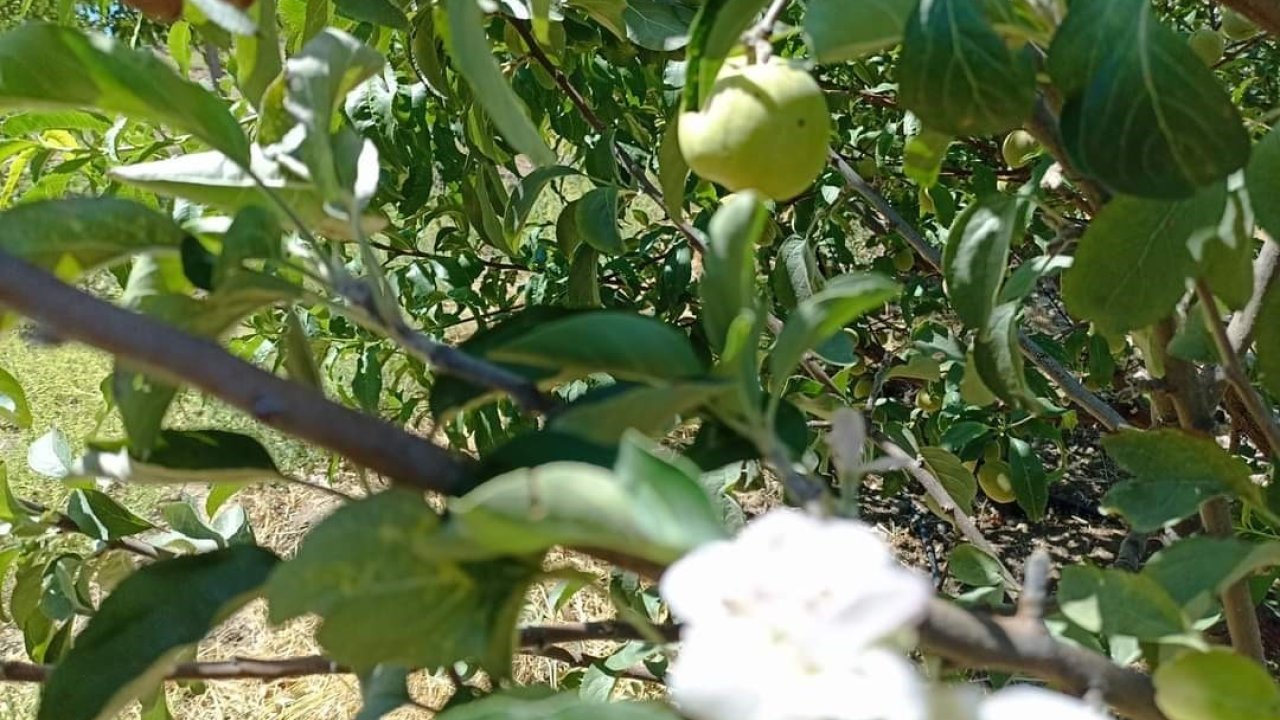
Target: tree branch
x: 176, y: 357
x: 1266, y: 268
x: 1234, y: 370
x: 1066, y: 382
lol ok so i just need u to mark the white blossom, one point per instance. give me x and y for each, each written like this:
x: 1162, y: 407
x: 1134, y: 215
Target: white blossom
x: 828, y: 585
x: 1025, y: 701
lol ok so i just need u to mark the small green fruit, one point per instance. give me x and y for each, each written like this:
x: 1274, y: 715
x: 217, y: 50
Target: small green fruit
x: 1208, y: 45
x: 862, y: 390
x: 927, y: 402
x: 765, y: 127
x: 1019, y: 149
x: 904, y: 260
x: 1237, y: 26
x: 867, y: 167
x: 995, y: 480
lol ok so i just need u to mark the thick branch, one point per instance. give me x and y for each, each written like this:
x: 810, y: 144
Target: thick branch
x: 1066, y: 382
x: 176, y: 357
x: 1264, y: 13
x: 1012, y: 644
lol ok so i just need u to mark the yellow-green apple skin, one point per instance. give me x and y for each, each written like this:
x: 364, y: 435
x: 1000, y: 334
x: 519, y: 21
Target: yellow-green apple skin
x: 764, y: 127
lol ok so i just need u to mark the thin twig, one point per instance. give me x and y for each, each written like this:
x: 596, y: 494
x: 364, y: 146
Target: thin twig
x: 1235, y: 372
x: 948, y: 505
x: 758, y: 37
x: 1108, y: 416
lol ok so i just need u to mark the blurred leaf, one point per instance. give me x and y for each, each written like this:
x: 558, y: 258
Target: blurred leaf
x: 583, y: 291
x: 841, y: 30
x: 376, y: 12
x: 426, y: 53
x: 1116, y: 602
x: 1143, y: 114
x: 923, y: 157
x: 658, y: 24
x: 366, y: 385
x: 648, y: 507
x: 972, y: 566
x: 795, y: 276
x: 383, y: 574
x: 608, y: 341
x: 531, y: 703
x: 50, y: 455
x: 474, y: 58
x: 46, y: 66
x: 1024, y: 279
x: 728, y: 281
x: 1262, y: 177
x: 102, y: 518
x: 382, y: 690
x: 1267, y: 337
x: 1132, y: 263
x: 1216, y: 685
x: 182, y: 456
x: 128, y: 646
x: 603, y: 415
x: 1196, y: 570
x: 258, y: 54
x: 673, y: 171
x: 13, y: 401
x: 72, y: 236
x: 842, y: 300
x: 1175, y: 472
x: 950, y: 52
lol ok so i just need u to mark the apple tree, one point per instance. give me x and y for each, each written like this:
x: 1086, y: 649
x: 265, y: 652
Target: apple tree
x: 586, y: 277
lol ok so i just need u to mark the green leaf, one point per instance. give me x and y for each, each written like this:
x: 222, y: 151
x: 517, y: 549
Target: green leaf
x: 953, y: 475
x: 474, y: 58
x: 1142, y: 114
x: 1216, y: 685
x: 13, y: 401
x: 1132, y: 263
x: 842, y: 300
x: 922, y: 159
x: 595, y: 220
x: 673, y: 171
x: 648, y: 507
x: 625, y: 345
x: 213, y: 179
x: 1023, y: 280
x: 795, y: 275
x: 102, y: 518
x: 950, y: 53
x: 999, y: 362
x: 603, y: 415
x: 1030, y: 483
x: 13, y: 509
x: 319, y: 77
x: 661, y: 25
x: 974, y: 567
x: 128, y: 646
x: 728, y: 281
x: 531, y: 703
x: 258, y: 54
x: 1267, y: 339
x: 382, y: 691
x: 1116, y: 602
x: 225, y: 15
x: 1262, y: 177
x: 1175, y: 472
x: 1195, y: 570
x: 583, y: 287
x: 73, y: 236
x: 977, y: 255
x: 178, y: 42
x: 50, y: 455
x: 716, y: 30
x: 525, y: 196
x: 383, y: 575
x: 376, y: 12
x: 841, y: 30
x: 182, y: 456
x: 366, y: 385
x: 44, y: 66
x: 426, y: 53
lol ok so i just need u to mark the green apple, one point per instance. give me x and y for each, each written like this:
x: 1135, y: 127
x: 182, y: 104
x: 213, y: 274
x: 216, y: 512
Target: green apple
x: 927, y: 402
x: 1237, y: 26
x: 904, y: 260
x: 764, y: 127
x: 1019, y: 148
x: 1208, y: 45
x: 994, y: 478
